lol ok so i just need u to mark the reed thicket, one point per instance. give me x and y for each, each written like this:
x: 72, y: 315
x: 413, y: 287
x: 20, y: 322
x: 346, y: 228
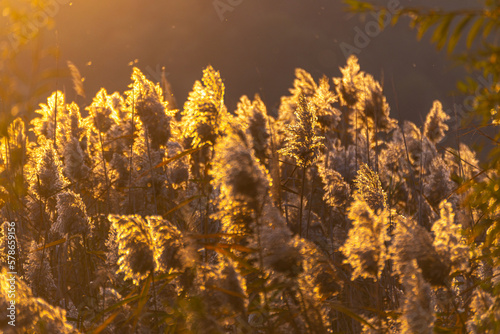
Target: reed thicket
x: 333, y: 217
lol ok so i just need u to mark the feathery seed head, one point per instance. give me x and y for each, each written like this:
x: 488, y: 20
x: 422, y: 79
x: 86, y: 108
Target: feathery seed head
x: 323, y: 99
x: 31, y: 313
x: 225, y: 290
x: 435, y: 123
x: 302, y: 85
x: 46, y: 176
x: 337, y: 191
x: 172, y: 250
x: 413, y: 242
x: 178, y: 170
x: 448, y: 241
x: 370, y: 189
x: 71, y: 215
x: 374, y: 107
x: 302, y: 143
x: 102, y: 112
x: 204, y: 113
x: 38, y: 273
x: 243, y: 182
x: 71, y: 123
x: 418, y: 314
x: 252, y: 115
x: 485, y: 313
x: 421, y: 150
x: 462, y: 164
x: 438, y: 184
x: 319, y: 275
x: 43, y: 126
x: 348, y: 87
x: 365, y: 248
x: 75, y: 168
x: 146, y: 99
x: 279, y: 252
x: 135, y: 247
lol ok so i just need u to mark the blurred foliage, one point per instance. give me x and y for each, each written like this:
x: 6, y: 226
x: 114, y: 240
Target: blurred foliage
x: 479, y: 29
x: 28, y: 64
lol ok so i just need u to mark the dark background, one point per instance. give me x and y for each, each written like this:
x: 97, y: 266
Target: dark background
x: 256, y: 48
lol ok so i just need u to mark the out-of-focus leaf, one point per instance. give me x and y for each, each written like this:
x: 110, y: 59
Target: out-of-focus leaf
x: 183, y: 203
x: 474, y: 30
x: 176, y: 157
x: 440, y: 34
x: 457, y: 33
x: 341, y: 308
x: 52, y: 244
x: 106, y: 323
x: 229, y: 246
x: 228, y: 292
x: 424, y: 25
